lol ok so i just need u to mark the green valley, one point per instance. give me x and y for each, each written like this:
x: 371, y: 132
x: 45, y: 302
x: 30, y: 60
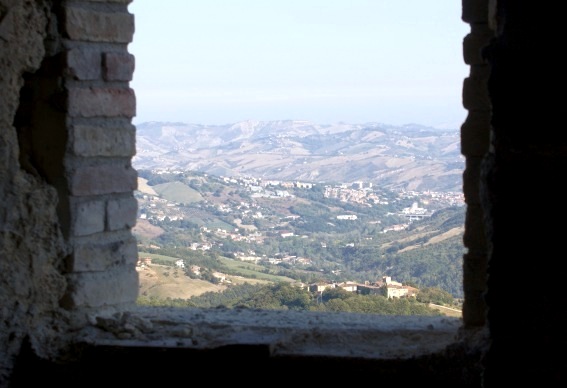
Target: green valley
x: 248, y: 232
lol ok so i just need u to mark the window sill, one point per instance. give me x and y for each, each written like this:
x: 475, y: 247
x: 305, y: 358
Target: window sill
x: 284, y: 333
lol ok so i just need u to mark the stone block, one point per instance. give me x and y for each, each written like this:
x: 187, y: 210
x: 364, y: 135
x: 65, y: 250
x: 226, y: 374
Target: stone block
x: 475, y: 133
x: 101, y: 256
x: 99, y: 289
x: 87, y: 217
x: 83, y: 64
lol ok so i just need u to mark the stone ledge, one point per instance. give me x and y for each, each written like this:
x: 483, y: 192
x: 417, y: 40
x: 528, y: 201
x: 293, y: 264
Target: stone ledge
x: 285, y: 333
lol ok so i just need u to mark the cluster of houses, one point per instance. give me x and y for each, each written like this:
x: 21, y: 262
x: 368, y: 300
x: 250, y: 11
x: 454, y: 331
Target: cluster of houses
x: 387, y: 287
x: 355, y: 193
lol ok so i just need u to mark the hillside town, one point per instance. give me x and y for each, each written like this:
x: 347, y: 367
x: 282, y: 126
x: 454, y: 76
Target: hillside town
x: 155, y: 207
x: 240, y: 217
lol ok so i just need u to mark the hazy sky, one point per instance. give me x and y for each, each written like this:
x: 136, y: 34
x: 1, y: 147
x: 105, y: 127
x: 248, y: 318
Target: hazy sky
x: 327, y: 61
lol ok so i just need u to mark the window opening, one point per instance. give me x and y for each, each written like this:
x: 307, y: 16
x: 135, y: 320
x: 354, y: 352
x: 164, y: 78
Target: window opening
x: 210, y: 92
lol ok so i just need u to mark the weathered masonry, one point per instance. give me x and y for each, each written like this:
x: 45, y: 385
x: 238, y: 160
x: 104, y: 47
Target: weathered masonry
x: 68, y: 283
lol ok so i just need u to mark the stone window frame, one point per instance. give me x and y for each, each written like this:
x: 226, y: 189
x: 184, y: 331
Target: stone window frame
x: 92, y: 173
x: 368, y: 336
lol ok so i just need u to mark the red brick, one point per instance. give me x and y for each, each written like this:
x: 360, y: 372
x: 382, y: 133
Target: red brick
x: 101, y: 102
x: 100, y: 141
x: 118, y: 66
x: 93, y: 26
x: 105, y: 179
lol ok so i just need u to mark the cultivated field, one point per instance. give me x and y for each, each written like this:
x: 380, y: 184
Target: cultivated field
x: 167, y: 282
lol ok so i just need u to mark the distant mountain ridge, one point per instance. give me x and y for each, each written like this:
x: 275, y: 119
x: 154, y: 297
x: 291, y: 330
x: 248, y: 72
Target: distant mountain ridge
x: 411, y: 157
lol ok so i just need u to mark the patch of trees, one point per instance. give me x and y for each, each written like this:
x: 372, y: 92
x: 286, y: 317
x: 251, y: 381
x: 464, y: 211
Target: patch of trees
x: 435, y: 295
x: 284, y: 296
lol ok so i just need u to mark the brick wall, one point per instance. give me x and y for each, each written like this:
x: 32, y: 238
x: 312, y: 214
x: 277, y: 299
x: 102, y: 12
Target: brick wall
x: 97, y: 162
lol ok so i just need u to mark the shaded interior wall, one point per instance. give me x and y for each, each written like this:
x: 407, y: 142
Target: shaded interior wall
x: 33, y: 248
x: 66, y: 180
x: 475, y: 136
x: 522, y: 177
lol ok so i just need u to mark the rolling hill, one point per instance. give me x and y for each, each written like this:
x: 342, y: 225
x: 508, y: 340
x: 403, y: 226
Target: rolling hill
x: 411, y: 157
